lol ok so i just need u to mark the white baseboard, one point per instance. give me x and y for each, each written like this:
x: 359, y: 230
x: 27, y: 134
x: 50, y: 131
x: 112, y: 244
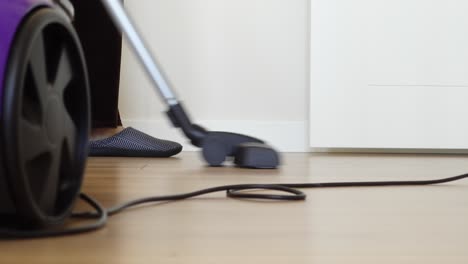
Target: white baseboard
x: 282, y: 135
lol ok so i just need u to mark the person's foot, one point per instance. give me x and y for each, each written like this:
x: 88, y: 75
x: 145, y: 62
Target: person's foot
x: 129, y: 142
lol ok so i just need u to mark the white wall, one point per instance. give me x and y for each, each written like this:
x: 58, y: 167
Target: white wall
x: 238, y: 65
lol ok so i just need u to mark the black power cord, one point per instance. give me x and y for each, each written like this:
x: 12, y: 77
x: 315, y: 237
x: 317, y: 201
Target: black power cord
x: 239, y: 191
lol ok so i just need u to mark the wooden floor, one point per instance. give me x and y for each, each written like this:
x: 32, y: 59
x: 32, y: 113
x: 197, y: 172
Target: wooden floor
x: 348, y: 225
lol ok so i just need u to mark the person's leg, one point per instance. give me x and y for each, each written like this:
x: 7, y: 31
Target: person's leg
x: 102, y: 45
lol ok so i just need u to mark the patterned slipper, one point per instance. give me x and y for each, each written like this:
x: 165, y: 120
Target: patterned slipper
x: 133, y: 143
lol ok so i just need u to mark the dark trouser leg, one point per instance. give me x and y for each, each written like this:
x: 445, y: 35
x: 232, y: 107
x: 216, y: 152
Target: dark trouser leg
x: 102, y: 47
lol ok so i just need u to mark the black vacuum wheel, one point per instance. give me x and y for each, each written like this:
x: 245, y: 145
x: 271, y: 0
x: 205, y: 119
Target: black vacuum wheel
x: 45, y: 119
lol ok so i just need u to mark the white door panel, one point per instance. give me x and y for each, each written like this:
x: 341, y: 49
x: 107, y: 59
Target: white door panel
x: 389, y: 74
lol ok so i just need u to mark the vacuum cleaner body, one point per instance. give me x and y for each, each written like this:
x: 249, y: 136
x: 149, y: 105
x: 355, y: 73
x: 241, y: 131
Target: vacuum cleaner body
x: 12, y: 14
x: 44, y: 113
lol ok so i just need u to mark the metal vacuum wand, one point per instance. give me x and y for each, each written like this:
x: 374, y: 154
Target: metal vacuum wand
x: 124, y: 23
x: 216, y: 146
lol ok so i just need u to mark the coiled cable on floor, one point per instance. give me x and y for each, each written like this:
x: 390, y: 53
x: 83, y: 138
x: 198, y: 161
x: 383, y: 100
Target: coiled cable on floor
x: 238, y: 191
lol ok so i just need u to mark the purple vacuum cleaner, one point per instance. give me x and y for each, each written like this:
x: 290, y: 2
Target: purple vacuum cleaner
x: 44, y: 112
x: 45, y: 115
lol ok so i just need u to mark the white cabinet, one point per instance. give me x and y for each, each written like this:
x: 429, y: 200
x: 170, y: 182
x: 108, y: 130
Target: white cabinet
x: 389, y: 74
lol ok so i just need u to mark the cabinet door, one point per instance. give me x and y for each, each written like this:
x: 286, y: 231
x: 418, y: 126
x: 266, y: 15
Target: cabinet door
x: 389, y: 74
